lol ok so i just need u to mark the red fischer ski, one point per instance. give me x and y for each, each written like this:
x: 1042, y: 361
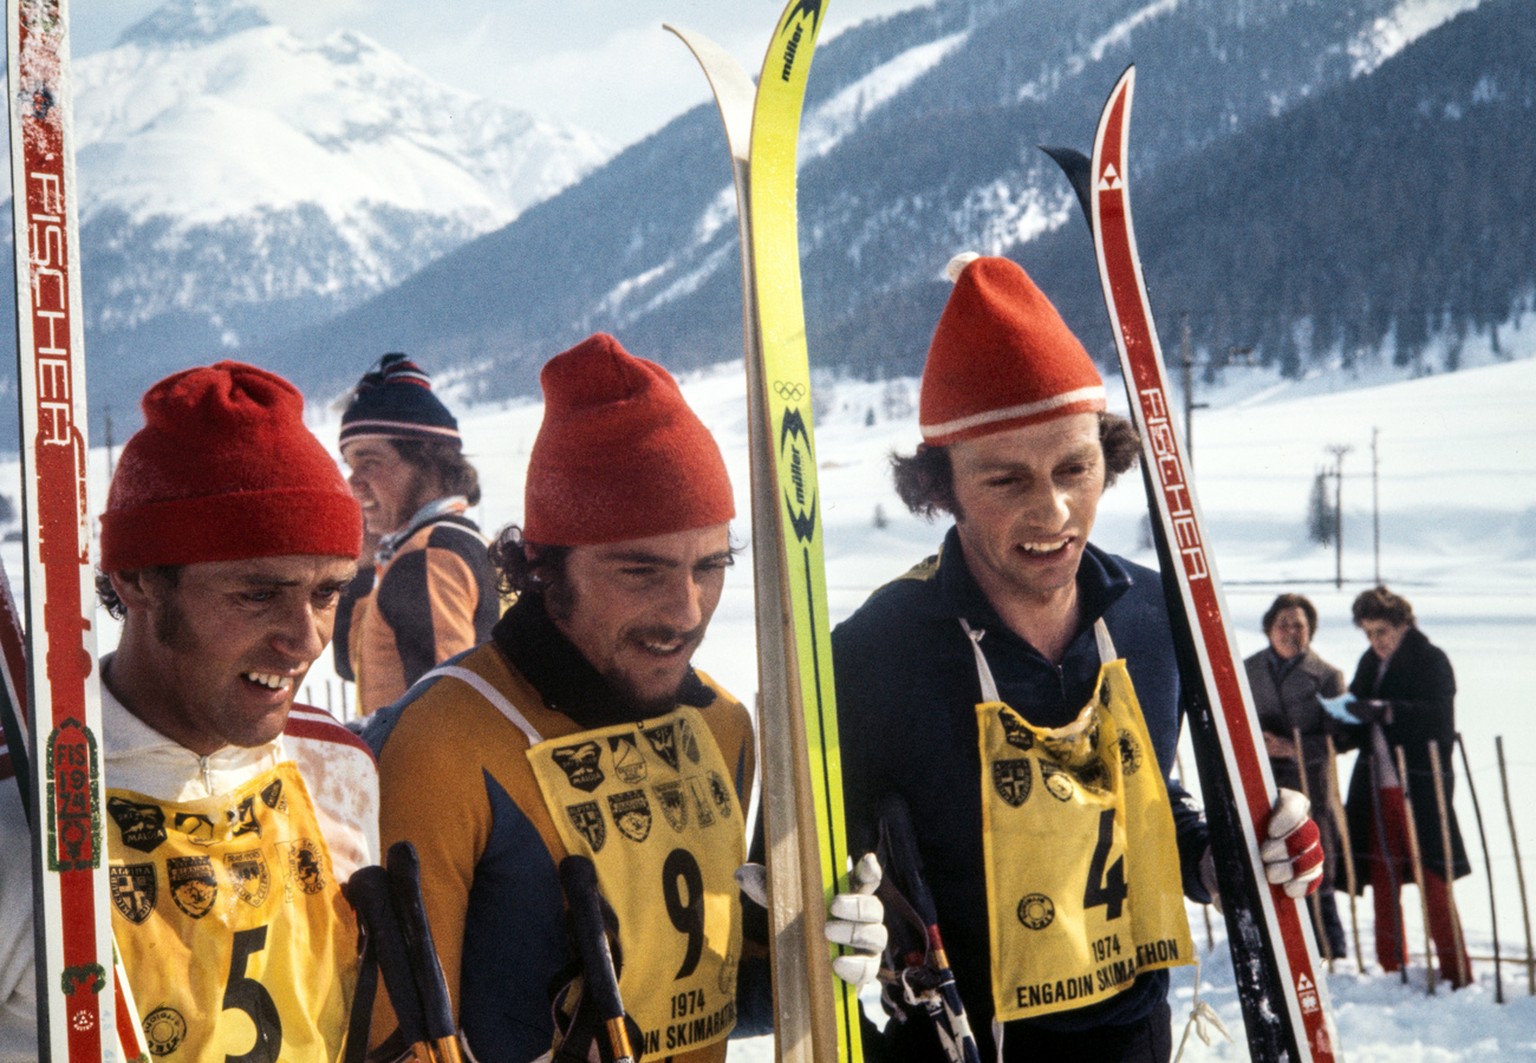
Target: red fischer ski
x: 1284, y: 997
x: 15, y: 724
x: 74, y: 938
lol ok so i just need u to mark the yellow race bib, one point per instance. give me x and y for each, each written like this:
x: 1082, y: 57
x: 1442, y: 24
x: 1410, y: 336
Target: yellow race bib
x: 237, y: 941
x: 1083, y: 882
x: 652, y: 804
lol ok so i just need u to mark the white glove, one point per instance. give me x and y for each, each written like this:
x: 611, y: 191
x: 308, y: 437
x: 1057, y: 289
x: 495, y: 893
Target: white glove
x: 857, y: 920
x: 1292, y: 851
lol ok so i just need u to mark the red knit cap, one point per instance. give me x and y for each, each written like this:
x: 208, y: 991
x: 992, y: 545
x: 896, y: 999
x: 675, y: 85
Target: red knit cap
x: 1001, y: 358
x: 620, y: 455
x: 224, y: 470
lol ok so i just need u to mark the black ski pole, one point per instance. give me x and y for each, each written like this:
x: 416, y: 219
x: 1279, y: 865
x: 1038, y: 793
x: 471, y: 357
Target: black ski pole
x: 368, y: 892
x: 1482, y: 835
x: 442, y: 1033
x: 361, y: 1019
x: 904, y: 872
x: 578, y: 878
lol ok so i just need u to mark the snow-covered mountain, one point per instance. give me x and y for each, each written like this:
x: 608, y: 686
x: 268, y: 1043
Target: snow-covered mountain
x: 1275, y: 148
x: 236, y: 180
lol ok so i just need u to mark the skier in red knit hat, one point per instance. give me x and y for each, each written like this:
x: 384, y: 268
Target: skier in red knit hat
x: 233, y: 814
x: 1019, y: 692
x: 581, y: 727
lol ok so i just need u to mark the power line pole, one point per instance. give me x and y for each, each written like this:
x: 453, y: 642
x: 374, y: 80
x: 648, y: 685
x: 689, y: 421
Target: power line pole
x: 1338, y: 450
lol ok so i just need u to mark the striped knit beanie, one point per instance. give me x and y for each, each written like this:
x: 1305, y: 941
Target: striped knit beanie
x: 1001, y: 357
x: 620, y: 455
x: 224, y: 470
x: 394, y: 400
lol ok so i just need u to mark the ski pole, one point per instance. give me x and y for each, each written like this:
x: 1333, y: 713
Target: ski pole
x: 367, y: 988
x: 1205, y: 909
x: 1416, y: 861
x: 369, y: 893
x: 578, y: 878
x: 1514, y: 840
x: 1382, y: 852
x: 1336, y: 809
x: 904, y: 872
x: 1493, y: 908
x: 1325, y: 946
x: 440, y: 1030
x: 1462, y: 968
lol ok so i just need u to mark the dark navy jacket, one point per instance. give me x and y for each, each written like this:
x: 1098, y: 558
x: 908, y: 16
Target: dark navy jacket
x: 906, y: 694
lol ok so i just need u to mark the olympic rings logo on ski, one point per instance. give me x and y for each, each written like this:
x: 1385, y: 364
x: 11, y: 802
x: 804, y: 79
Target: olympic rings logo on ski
x: 789, y: 391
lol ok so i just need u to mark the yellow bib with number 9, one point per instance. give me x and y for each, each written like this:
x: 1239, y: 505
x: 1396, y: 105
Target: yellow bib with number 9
x: 652, y: 804
x: 236, y: 938
x: 1084, y: 888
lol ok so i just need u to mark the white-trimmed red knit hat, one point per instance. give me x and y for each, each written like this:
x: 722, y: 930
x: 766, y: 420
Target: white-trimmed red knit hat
x: 1001, y: 357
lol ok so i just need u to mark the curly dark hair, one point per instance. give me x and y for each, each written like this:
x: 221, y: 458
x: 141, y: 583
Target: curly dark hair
x: 516, y: 574
x: 925, y: 480
x: 1378, y: 603
x: 444, y: 459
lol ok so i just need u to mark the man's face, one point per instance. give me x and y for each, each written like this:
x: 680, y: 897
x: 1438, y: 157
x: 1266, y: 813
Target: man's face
x: 1384, y: 636
x: 638, y: 609
x: 389, y: 488
x: 231, y: 643
x: 1029, y: 497
x: 1289, y: 634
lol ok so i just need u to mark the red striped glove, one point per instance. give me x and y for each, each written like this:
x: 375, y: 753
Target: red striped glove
x: 1292, y: 850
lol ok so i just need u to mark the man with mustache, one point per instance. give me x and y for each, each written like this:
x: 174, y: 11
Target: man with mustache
x: 581, y: 727
x: 1019, y: 692
x: 233, y: 814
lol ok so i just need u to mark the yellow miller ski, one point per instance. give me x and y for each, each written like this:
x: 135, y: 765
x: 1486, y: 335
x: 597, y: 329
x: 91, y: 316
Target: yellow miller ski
x: 816, y: 1015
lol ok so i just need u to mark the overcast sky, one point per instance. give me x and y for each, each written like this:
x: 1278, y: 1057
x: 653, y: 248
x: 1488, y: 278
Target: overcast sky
x: 605, y: 65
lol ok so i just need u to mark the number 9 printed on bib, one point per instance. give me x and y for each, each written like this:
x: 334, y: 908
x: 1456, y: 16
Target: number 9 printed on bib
x: 652, y: 805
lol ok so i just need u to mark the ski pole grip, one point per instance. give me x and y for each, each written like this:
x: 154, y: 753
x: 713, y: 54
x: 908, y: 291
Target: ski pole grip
x: 368, y: 892
x: 578, y: 878
x: 431, y: 989
x: 904, y: 864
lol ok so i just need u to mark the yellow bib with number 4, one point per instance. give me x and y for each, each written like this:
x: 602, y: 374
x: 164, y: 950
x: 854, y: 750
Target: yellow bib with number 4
x: 1084, y: 888
x: 652, y: 805
x: 236, y: 938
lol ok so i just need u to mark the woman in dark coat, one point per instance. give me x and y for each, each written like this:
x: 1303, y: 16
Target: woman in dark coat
x: 1405, y: 693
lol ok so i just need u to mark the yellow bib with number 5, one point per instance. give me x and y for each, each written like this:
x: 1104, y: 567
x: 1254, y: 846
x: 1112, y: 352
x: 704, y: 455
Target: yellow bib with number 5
x: 652, y: 805
x: 236, y: 938
x: 1083, y: 883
